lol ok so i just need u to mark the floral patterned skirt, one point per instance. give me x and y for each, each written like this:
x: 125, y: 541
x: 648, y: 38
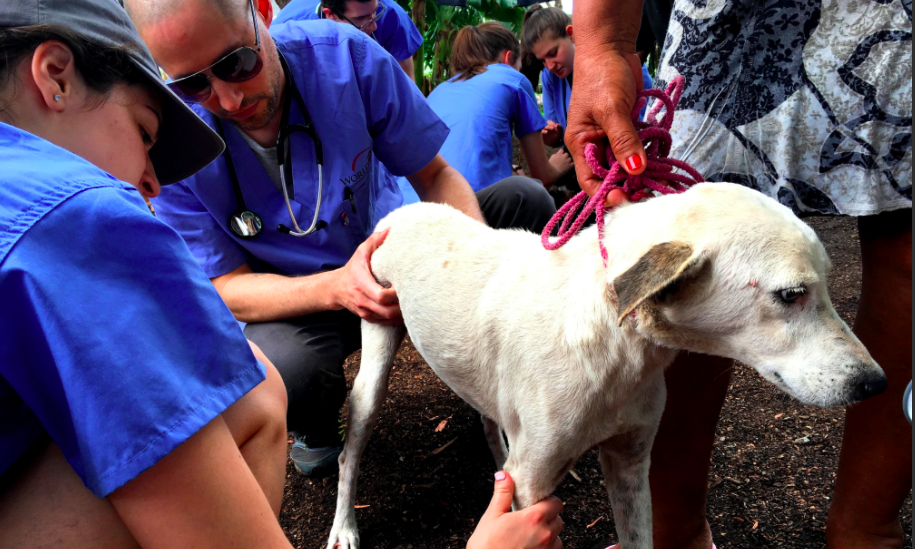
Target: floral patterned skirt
x: 807, y: 101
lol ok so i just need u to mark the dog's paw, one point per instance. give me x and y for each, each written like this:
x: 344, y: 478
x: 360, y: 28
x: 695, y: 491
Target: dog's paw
x: 343, y: 537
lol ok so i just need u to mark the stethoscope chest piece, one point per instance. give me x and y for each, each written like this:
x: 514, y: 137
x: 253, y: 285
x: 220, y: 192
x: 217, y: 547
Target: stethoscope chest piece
x: 246, y: 224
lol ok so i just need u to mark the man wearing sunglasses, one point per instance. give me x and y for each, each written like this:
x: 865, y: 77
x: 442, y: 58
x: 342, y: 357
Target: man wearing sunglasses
x: 326, y: 103
x: 384, y: 20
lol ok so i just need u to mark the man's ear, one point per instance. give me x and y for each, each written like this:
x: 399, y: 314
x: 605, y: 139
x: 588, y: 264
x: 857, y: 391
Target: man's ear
x: 660, y: 267
x: 329, y: 14
x: 265, y: 8
x: 53, y: 69
x: 571, y: 33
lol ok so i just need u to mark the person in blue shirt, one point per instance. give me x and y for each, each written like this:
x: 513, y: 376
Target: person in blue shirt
x: 548, y: 34
x: 132, y: 410
x: 484, y: 103
x: 383, y: 20
x: 133, y: 413
x: 282, y: 222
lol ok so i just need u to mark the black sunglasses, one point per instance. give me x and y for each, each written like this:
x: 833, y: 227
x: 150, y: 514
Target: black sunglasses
x: 239, y: 66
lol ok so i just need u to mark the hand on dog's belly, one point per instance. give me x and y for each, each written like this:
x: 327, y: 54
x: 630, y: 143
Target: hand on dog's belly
x: 358, y: 291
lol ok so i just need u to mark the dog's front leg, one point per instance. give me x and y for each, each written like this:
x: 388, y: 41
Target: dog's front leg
x: 625, y: 459
x: 379, y: 345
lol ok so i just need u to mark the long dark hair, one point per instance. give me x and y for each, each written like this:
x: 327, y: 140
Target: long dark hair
x: 476, y: 47
x: 540, y: 22
x: 100, y: 66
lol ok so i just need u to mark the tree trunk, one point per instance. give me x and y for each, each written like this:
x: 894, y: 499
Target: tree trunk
x: 419, y: 19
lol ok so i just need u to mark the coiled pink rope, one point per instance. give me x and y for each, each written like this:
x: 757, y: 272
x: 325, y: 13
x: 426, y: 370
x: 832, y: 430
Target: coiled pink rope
x: 658, y: 176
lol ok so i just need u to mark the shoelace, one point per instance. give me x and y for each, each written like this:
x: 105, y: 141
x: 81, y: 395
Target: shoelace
x: 658, y: 176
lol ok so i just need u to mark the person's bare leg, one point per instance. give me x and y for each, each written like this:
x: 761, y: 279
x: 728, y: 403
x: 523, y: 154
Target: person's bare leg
x: 875, y: 474
x: 48, y: 506
x: 258, y: 426
x: 680, y: 459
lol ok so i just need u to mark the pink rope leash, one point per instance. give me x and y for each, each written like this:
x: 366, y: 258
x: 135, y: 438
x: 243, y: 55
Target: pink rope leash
x: 658, y: 176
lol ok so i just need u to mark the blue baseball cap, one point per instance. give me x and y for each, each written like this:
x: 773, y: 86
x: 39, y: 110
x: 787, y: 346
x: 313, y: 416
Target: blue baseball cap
x: 185, y: 143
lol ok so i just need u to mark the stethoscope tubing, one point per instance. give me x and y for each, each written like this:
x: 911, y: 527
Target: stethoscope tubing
x: 283, y: 155
x: 314, y: 220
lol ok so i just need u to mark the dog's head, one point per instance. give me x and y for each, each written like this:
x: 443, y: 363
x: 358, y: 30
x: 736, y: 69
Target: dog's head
x: 733, y: 273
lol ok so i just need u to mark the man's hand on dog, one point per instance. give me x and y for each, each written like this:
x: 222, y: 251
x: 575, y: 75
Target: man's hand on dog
x: 536, y: 527
x: 358, y: 290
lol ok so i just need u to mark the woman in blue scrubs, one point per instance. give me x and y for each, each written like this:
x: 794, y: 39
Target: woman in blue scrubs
x: 548, y: 34
x: 487, y: 101
x: 133, y: 412
x: 132, y: 409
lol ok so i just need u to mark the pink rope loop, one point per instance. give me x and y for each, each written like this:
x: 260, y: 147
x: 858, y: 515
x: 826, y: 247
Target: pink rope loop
x: 658, y: 177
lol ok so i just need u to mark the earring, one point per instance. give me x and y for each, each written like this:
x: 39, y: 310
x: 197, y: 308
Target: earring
x: 57, y: 97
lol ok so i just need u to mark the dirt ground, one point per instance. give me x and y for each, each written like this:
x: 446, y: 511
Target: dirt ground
x: 420, y: 487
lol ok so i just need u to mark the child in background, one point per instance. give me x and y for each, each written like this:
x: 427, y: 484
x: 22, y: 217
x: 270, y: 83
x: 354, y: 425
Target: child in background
x: 484, y: 103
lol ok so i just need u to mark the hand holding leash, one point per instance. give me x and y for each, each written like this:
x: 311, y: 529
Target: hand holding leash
x: 659, y: 175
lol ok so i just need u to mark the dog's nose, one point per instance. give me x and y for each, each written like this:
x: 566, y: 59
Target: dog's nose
x: 870, y: 387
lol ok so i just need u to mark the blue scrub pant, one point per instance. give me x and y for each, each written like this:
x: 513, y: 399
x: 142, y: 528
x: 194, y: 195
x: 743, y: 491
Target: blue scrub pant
x: 309, y: 351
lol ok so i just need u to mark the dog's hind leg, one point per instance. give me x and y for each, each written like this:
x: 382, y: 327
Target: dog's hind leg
x: 496, y: 441
x: 379, y: 345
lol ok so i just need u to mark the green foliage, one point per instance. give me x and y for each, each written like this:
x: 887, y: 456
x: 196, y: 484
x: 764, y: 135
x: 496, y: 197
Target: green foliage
x: 442, y: 23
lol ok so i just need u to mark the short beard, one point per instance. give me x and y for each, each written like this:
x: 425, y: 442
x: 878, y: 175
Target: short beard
x: 258, y: 121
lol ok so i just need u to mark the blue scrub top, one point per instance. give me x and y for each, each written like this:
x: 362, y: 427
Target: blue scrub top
x: 557, y: 93
x: 365, y: 110
x: 482, y: 113
x: 396, y: 32
x: 112, y: 340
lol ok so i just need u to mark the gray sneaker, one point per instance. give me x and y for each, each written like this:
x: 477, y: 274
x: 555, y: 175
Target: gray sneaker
x: 314, y: 462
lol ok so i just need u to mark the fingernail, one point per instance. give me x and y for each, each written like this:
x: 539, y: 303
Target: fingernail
x: 500, y: 476
x: 634, y: 162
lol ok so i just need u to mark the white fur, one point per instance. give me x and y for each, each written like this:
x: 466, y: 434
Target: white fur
x: 533, y: 339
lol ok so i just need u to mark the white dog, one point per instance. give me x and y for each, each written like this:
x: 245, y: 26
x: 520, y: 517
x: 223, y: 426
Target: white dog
x: 564, y: 353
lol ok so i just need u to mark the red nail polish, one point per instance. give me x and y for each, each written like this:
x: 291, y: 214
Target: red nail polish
x: 634, y: 162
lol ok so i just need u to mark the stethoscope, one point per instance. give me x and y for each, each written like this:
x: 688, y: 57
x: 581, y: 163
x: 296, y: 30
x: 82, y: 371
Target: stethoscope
x: 245, y: 223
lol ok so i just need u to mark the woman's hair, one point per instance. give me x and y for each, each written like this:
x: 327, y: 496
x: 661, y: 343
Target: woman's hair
x: 100, y: 66
x: 540, y: 22
x: 476, y: 47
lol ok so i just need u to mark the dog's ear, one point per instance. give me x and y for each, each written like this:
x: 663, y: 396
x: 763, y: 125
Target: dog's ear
x: 660, y: 268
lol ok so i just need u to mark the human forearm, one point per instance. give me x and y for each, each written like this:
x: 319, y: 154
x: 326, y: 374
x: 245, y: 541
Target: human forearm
x: 439, y: 182
x: 607, y: 23
x: 548, y: 171
x: 605, y: 94
x: 407, y: 66
x: 202, y: 494
x: 261, y: 297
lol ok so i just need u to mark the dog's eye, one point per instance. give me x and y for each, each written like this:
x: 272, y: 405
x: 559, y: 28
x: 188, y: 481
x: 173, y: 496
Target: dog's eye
x: 790, y: 295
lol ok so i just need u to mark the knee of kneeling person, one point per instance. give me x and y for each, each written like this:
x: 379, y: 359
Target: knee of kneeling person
x: 526, y: 188
x: 263, y: 408
x: 517, y: 202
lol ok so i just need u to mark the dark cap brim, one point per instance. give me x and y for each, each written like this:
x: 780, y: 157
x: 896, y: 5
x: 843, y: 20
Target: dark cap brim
x: 185, y: 143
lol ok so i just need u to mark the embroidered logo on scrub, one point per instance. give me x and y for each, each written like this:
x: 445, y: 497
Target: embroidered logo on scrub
x: 358, y: 176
